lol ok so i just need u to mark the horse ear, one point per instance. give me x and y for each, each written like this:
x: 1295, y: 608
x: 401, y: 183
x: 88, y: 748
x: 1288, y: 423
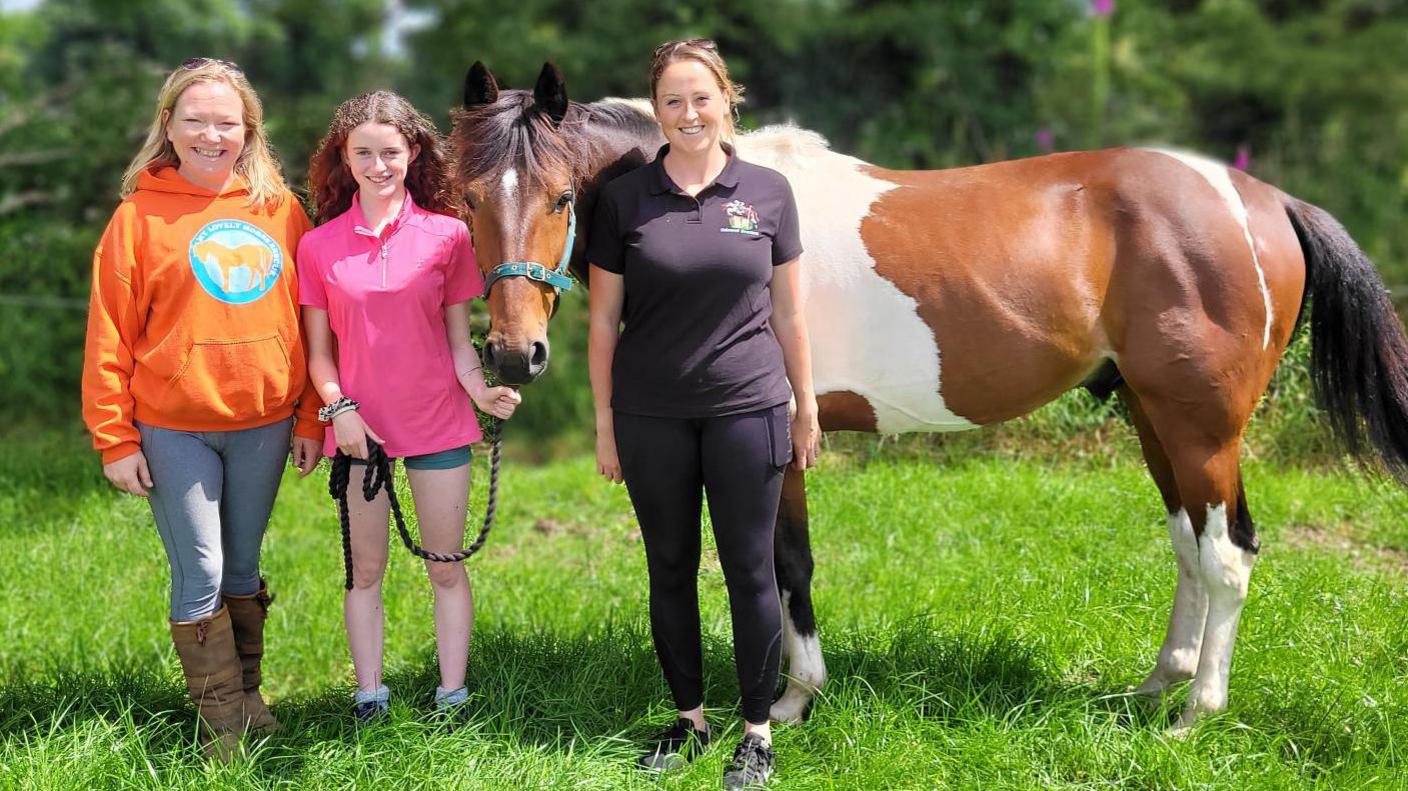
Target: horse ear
x: 551, y: 93
x: 480, y: 86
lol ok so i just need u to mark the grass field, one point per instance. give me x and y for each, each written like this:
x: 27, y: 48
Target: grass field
x: 981, y: 620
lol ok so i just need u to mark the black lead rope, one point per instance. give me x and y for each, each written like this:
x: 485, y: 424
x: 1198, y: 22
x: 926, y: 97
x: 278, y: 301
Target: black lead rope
x: 379, y: 476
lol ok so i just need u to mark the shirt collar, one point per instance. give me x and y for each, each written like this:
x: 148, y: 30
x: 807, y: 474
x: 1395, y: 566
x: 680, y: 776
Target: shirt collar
x: 359, y: 220
x: 661, y: 182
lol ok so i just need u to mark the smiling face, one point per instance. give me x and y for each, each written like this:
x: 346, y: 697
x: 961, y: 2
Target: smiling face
x: 378, y: 157
x: 691, y: 107
x: 206, y: 128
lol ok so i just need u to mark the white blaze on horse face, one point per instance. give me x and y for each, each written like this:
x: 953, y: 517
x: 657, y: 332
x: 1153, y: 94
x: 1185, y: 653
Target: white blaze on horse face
x: 509, y: 215
x: 1178, y: 658
x: 1218, y: 176
x: 1226, y: 570
x: 866, y: 334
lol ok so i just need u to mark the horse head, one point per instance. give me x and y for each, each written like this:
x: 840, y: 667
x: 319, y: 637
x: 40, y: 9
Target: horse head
x: 515, y: 169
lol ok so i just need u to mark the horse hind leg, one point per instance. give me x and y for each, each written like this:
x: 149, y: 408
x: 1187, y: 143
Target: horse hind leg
x: 1178, y: 657
x: 806, y: 669
x: 1207, y: 468
x: 1227, y: 549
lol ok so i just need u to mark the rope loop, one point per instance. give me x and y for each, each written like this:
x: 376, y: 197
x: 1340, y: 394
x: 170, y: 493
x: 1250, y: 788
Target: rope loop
x: 380, y: 476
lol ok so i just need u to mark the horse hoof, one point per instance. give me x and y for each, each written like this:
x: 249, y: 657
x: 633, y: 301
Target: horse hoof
x: 1158, y: 684
x: 789, y: 708
x: 1184, y: 727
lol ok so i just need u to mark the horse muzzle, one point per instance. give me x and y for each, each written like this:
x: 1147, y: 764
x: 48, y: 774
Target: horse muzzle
x: 516, y: 364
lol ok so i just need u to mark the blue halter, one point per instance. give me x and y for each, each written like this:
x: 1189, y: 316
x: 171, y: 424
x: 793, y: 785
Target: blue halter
x: 557, y: 278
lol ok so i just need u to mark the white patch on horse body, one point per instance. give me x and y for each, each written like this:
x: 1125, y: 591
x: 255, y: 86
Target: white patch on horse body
x: 866, y: 334
x: 1218, y: 176
x: 1178, y: 658
x: 806, y: 669
x: 510, y: 183
x: 1226, y: 571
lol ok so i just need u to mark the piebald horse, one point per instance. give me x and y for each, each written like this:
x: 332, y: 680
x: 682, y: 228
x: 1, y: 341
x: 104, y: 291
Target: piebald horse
x: 953, y: 299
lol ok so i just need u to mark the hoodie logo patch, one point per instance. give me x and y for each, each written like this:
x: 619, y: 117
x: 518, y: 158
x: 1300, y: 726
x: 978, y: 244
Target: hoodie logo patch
x: 235, y: 261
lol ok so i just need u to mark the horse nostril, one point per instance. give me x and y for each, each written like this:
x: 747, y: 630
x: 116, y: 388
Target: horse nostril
x: 490, y: 356
x: 540, y: 354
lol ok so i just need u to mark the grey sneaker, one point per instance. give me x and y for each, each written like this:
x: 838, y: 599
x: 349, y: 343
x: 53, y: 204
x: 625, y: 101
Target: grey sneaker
x: 675, y: 747
x: 368, y: 707
x: 452, y: 706
x: 751, y: 765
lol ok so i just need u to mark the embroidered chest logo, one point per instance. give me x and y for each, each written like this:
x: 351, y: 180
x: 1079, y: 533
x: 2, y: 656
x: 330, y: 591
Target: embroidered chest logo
x: 741, y: 218
x: 234, y: 261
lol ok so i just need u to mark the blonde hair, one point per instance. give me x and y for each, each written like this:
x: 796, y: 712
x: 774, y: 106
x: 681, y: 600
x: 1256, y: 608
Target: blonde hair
x: 706, y: 52
x: 256, y: 166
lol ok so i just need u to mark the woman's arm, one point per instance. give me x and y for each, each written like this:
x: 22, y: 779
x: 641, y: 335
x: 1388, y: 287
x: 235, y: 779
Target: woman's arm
x: 607, y: 297
x: 497, y: 401
x: 348, y: 427
x: 790, y: 327
x: 114, y: 325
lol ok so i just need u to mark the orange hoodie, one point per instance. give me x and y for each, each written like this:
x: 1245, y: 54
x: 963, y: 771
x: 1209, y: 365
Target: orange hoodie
x: 193, y: 319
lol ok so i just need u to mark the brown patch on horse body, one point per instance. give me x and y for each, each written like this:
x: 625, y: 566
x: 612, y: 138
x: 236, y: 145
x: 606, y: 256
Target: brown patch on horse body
x: 1188, y: 307
x: 845, y: 411
x: 1016, y: 315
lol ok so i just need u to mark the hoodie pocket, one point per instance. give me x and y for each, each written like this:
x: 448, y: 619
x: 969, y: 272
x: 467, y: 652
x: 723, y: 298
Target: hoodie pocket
x: 236, y: 378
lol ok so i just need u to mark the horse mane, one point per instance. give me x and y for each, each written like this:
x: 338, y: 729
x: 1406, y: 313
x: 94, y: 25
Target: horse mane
x: 514, y: 132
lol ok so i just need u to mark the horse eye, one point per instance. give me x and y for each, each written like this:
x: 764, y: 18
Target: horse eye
x: 562, y: 201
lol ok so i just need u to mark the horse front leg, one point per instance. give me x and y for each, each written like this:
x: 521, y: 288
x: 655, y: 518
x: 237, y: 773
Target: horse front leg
x: 806, y: 670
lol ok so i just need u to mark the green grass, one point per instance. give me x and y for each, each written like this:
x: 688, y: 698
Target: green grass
x: 981, y: 619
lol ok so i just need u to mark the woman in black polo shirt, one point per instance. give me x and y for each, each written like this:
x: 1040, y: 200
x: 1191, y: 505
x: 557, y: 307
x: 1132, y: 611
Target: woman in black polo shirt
x: 700, y: 251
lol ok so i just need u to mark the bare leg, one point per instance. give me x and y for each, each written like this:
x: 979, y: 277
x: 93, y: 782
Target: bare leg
x: 442, y: 501
x: 362, y: 611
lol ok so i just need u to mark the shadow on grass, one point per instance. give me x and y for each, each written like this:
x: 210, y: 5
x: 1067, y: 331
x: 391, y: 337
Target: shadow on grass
x: 602, y: 693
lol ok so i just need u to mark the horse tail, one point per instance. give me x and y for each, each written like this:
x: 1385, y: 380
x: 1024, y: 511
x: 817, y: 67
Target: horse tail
x: 1358, y: 352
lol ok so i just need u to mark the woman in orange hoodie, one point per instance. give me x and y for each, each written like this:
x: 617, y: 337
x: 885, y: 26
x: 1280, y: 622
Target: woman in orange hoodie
x: 194, y: 367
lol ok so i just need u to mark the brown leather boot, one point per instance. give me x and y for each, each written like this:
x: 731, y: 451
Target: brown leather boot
x: 212, y: 669
x: 247, y: 614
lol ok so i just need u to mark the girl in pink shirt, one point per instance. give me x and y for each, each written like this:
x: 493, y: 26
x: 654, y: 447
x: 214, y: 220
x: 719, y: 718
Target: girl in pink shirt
x: 385, y: 281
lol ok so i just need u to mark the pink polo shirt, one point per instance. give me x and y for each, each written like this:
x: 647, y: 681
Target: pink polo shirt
x: 386, y: 297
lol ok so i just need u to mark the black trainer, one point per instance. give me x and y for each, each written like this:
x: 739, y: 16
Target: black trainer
x: 751, y: 765
x: 675, y: 747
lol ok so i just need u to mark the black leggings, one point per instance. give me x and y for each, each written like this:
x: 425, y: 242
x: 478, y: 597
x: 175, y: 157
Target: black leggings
x: 668, y: 464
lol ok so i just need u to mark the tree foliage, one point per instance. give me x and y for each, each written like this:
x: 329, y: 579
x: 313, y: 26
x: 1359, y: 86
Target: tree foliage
x: 1314, y: 92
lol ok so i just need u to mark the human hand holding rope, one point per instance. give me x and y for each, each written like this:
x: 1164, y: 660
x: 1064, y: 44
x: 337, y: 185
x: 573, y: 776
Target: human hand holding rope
x: 351, y: 432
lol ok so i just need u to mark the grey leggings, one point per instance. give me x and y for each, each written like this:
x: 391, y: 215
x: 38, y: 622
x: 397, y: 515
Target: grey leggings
x: 212, y: 494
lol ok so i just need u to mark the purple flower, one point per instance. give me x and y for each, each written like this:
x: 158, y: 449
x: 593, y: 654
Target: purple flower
x: 1102, y: 7
x: 1244, y: 157
x: 1045, y: 138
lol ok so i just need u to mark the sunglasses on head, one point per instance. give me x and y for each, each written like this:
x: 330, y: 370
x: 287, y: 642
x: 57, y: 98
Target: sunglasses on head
x: 196, y: 63
x: 700, y: 43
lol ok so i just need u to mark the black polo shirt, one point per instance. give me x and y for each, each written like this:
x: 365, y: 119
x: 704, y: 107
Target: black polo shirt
x: 696, y: 341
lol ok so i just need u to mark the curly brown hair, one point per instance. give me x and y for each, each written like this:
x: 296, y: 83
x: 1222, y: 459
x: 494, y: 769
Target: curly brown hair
x: 330, y: 183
